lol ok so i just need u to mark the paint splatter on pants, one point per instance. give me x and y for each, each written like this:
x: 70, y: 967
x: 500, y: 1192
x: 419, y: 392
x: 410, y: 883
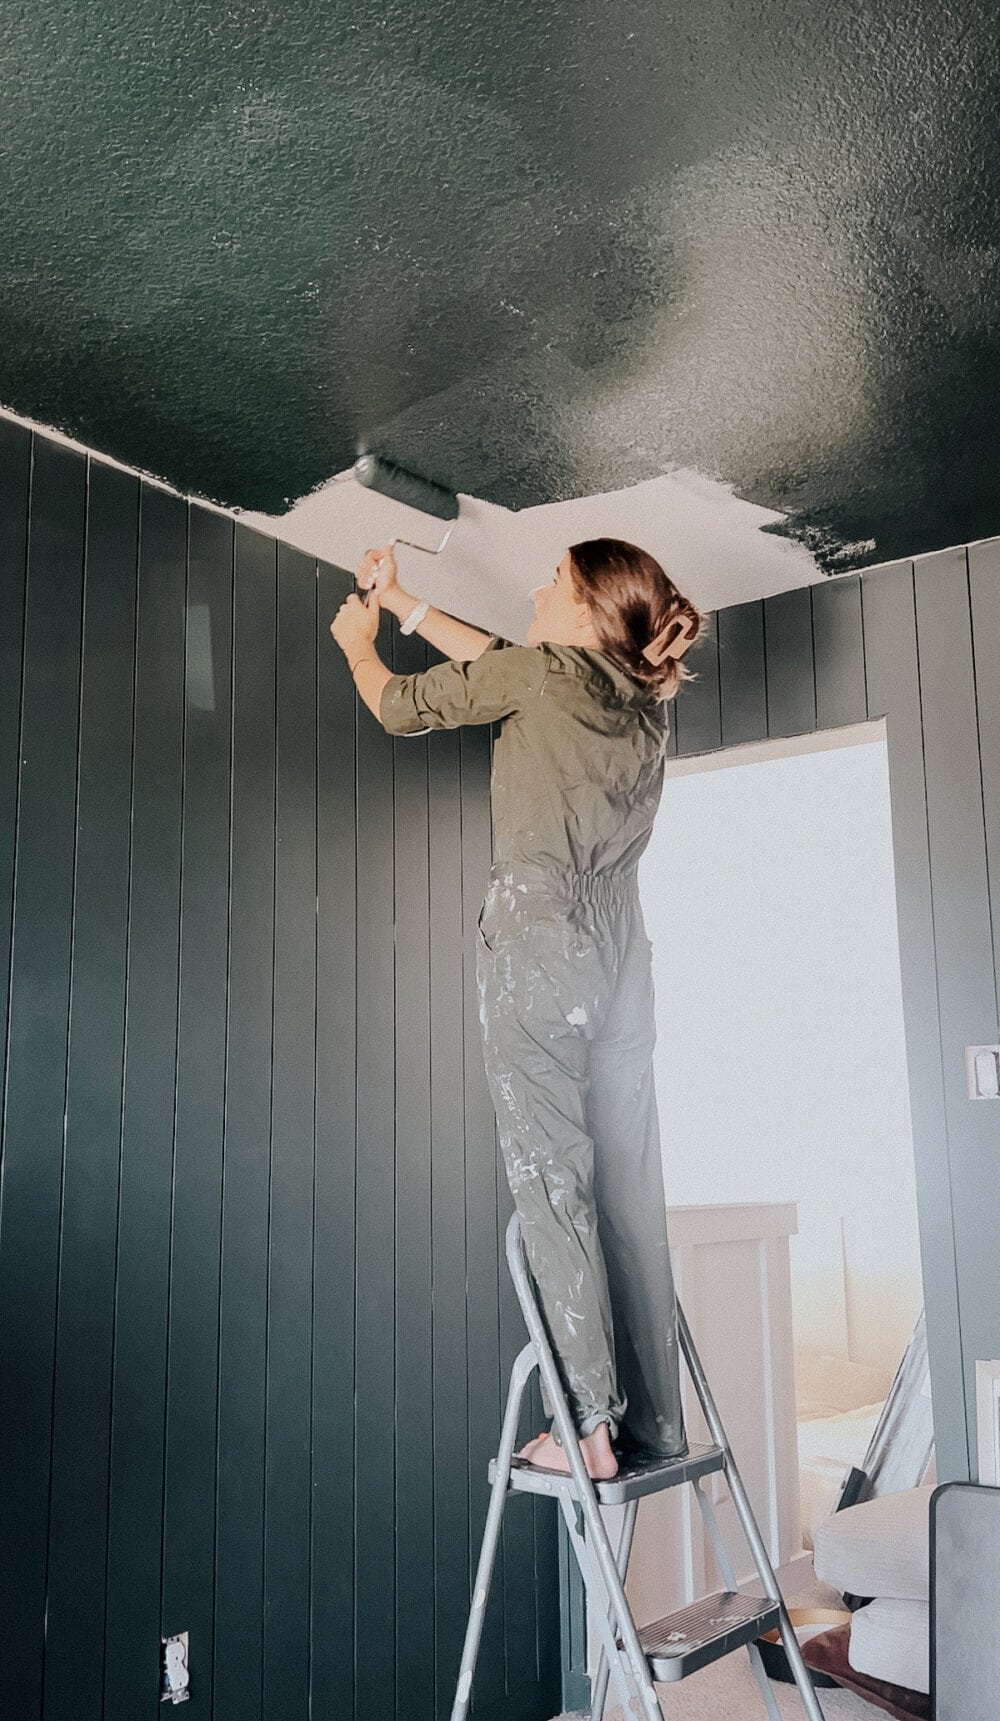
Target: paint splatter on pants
x: 566, y: 1006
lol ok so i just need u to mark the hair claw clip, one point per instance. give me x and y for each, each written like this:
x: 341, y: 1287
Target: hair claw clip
x: 672, y: 640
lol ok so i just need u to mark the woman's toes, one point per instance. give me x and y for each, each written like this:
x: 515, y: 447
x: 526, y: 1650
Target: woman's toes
x: 545, y: 1453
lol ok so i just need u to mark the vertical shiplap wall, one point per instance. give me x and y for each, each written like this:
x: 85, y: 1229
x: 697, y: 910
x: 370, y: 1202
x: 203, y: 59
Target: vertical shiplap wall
x: 253, y: 1319
x: 917, y: 643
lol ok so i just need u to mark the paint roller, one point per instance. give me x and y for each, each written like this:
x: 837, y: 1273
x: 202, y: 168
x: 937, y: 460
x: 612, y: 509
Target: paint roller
x: 388, y: 479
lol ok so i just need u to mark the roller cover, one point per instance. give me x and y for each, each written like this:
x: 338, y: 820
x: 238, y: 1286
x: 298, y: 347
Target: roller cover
x: 402, y: 486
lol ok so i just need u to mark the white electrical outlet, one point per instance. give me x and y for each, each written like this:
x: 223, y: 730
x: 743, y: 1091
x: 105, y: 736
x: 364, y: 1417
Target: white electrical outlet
x: 175, y: 1673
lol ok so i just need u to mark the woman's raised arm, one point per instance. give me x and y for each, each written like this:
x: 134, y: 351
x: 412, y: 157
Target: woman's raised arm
x: 456, y: 639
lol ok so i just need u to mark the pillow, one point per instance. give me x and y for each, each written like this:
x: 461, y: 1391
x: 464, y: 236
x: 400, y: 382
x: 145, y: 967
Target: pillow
x: 879, y: 1548
x: 891, y: 1640
x: 828, y: 1654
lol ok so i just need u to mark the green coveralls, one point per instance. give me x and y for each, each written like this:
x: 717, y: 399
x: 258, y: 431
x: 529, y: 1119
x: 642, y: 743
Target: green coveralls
x: 566, y: 1006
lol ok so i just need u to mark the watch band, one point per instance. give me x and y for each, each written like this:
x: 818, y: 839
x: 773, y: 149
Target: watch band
x: 415, y: 617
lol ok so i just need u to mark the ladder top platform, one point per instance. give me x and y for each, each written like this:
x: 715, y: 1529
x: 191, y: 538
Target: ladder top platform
x: 637, y: 1476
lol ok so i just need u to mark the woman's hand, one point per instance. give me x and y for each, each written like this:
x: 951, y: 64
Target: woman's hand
x: 354, y: 628
x: 377, y: 572
x: 355, y: 625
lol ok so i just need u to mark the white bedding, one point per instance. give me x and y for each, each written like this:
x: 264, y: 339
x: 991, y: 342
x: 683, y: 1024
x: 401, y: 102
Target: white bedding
x: 890, y: 1639
x: 828, y: 1446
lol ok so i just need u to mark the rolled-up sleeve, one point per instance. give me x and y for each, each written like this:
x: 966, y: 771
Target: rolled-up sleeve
x: 482, y: 690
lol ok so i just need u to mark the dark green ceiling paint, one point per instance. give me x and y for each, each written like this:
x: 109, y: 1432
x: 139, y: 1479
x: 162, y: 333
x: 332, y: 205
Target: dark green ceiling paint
x: 532, y: 252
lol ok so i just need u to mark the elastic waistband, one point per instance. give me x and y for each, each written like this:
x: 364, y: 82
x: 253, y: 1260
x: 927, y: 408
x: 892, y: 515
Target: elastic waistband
x: 564, y: 885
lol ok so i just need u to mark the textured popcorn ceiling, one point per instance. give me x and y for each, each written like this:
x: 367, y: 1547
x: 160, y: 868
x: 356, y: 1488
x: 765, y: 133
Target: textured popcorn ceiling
x: 535, y: 252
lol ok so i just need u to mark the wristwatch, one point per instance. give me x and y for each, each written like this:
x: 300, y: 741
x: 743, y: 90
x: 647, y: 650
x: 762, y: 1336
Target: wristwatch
x: 415, y: 617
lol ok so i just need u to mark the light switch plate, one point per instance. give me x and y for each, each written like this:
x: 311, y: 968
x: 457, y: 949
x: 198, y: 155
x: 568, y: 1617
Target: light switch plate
x: 982, y: 1072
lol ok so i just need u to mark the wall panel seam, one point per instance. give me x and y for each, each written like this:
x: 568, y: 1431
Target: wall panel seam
x: 982, y: 786
x: 60, y: 1222
x: 864, y: 646
x: 224, y: 1144
x: 311, y: 1623
x: 812, y: 654
x: 354, y: 1268
x: 270, y: 1127
x: 17, y: 810
x: 129, y: 885
x: 168, y: 1334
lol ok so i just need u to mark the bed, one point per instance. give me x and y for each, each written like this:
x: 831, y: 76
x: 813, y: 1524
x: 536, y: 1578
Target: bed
x: 838, y: 1403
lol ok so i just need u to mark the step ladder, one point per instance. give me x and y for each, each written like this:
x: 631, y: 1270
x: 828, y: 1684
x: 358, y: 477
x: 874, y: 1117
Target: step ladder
x: 684, y: 1641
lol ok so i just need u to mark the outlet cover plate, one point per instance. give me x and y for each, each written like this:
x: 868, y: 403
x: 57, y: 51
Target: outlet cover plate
x: 175, y: 1669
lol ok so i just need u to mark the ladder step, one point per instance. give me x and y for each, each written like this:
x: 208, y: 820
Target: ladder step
x: 637, y: 1476
x: 705, y: 1631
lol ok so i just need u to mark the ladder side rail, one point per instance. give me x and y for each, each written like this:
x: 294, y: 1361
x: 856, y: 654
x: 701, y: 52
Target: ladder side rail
x: 623, y: 1554
x: 763, y: 1683
x: 741, y: 1501
x: 719, y: 1548
x: 520, y: 1374
x: 729, y: 1577
x: 611, y: 1579
x: 613, y: 1653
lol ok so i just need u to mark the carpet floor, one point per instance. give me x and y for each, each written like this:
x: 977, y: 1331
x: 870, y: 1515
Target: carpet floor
x: 728, y: 1691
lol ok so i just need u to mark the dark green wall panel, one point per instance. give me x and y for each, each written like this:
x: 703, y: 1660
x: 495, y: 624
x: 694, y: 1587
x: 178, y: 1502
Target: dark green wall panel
x: 80, y: 1437
x: 239, y: 1502
x: 839, y: 655
x: 375, y: 1486
x: 15, y: 478
x: 40, y: 965
x: 697, y: 709
x: 138, y: 1403
x: 252, y: 1294
x: 483, y: 1334
x: 790, y: 666
x: 287, y: 1479
x: 414, y: 1278
x: 193, y: 1315
x: 333, y: 1513
x: 742, y: 678
x: 253, y: 1312
x: 450, y: 1371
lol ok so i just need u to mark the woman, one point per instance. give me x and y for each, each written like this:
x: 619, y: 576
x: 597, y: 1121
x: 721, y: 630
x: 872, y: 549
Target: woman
x: 563, y: 961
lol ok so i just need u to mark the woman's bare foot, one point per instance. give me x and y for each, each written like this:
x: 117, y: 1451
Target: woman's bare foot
x: 600, y: 1460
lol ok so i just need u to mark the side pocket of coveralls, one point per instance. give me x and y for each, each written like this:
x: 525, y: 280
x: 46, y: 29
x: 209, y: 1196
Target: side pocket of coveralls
x: 481, y: 935
x: 490, y: 924
x: 494, y: 916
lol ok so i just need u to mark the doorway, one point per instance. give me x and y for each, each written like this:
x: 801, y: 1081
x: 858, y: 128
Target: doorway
x: 769, y: 895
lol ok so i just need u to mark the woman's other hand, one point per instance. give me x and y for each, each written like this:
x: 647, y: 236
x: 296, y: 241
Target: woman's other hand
x: 377, y: 571
x: 355, y: 625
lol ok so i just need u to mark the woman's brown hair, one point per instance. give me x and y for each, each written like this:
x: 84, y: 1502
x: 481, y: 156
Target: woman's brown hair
x: 632, y: 601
